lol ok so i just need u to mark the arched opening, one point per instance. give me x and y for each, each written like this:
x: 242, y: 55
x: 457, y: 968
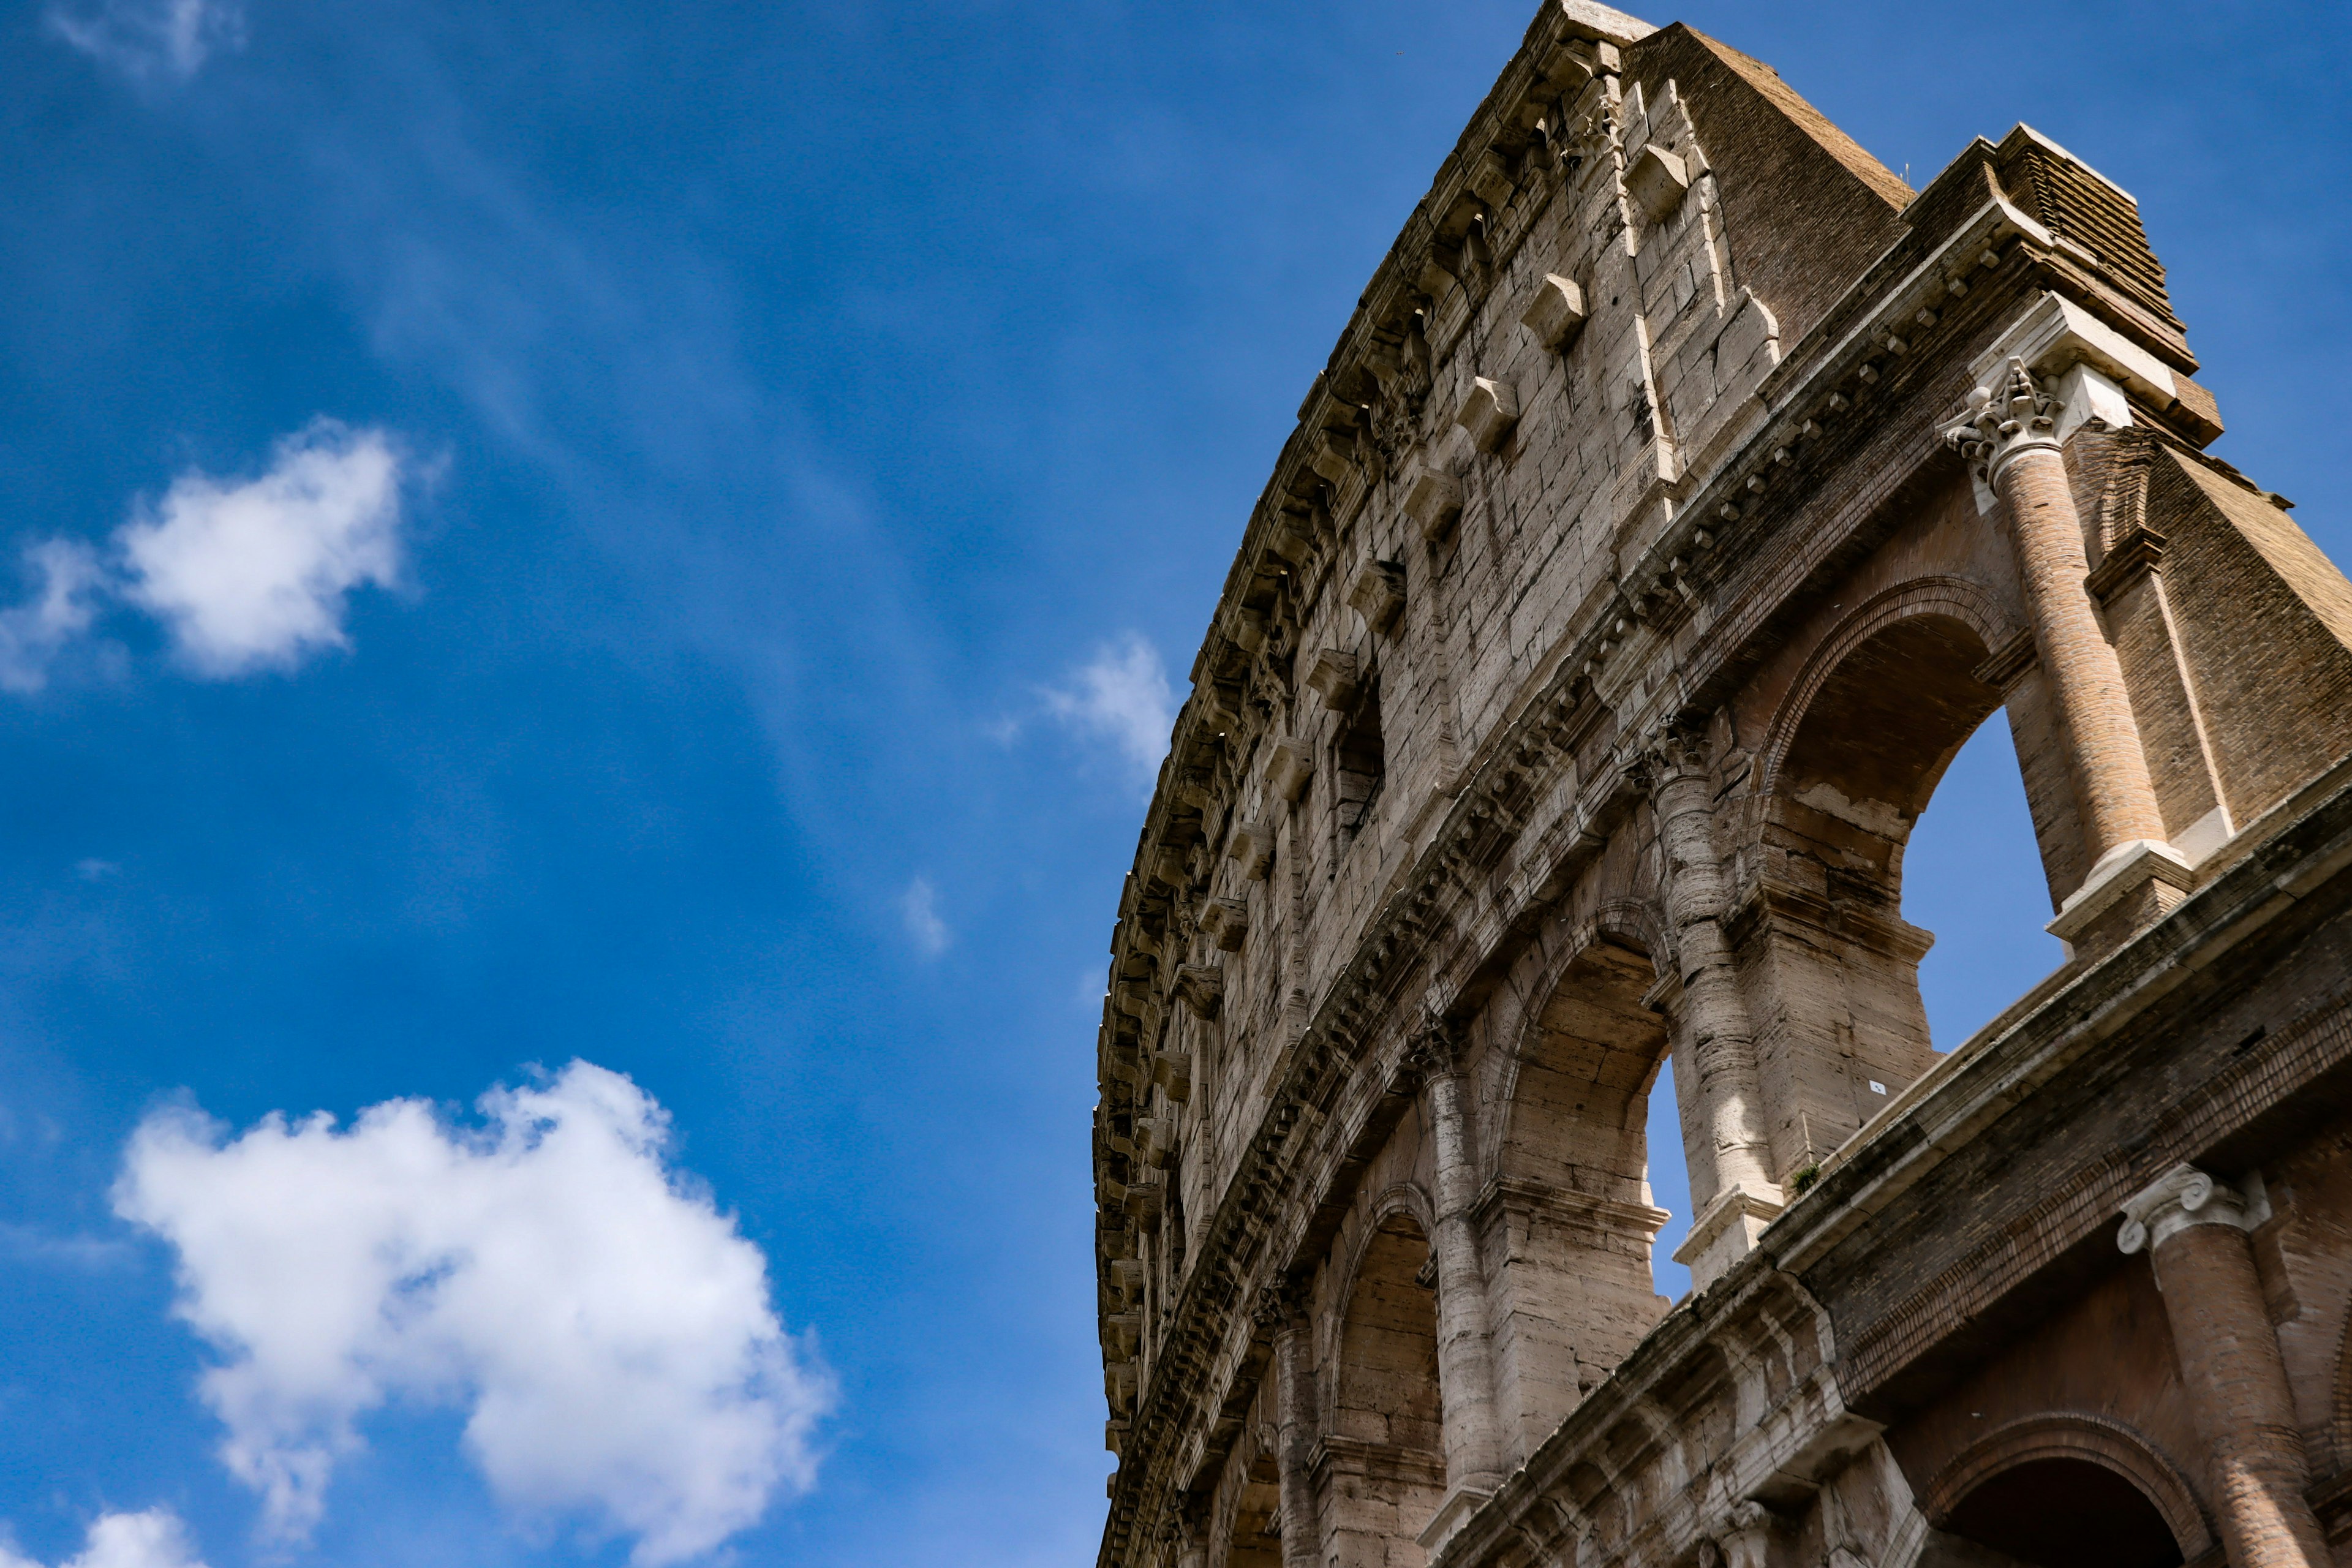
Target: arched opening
x: 2056, y: 1513
x: 1574, y: 1281
x: 1387, y: 1392
x: 1383, y: 1470
x: 1874, y: 741
x: 1576, y: 1117
x: 1871, y: 732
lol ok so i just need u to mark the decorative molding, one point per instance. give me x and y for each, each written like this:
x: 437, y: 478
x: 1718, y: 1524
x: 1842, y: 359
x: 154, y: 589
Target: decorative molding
x: 2132, y: 558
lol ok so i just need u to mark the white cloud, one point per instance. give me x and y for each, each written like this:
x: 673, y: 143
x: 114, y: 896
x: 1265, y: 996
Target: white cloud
x: 155, y: 1538
x: 919, y: 906
x: 605, y: 1329
x: 1122, y: 696
x: 33, y: 633
x: 147, y: 38
x: 253, y: 576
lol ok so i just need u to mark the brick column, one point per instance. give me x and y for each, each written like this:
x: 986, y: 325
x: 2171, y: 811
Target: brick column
x: 1721, y: 1058
x: 1280, y: 1310
x: 2010, y: 437
x: 2194, y: 1230
x: 1466, y: 1371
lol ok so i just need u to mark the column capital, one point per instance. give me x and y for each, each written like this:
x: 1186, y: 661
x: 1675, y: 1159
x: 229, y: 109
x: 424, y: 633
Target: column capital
x: 2010, y: 416
x: 2184, y: 1196
x: 1279, y: 1307
x: 1674, y: 753
x: 1434, y: 1050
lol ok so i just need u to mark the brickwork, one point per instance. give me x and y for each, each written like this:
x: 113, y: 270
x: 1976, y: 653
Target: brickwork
x: 1681, y: 495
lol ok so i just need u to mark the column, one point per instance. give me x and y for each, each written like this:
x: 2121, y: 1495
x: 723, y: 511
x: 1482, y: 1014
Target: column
x: 1721, y: 1056
x: 1281, y: 1311
x: 1465, y: 1372
x: 2194, y: 1230
x: 2009, y: 434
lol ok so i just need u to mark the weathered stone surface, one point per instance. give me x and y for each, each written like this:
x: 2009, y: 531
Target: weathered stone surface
x: 1683, y: 492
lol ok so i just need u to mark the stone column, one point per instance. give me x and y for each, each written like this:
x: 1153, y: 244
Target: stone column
x: 1466, y: 1371
x: 2194, y: 1230
x: 1284, y: 1315
x: 2009, y: 434
x: 1721, y: 1058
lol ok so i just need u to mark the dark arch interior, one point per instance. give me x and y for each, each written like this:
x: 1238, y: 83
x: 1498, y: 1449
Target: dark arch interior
x: 1878, y: 735
x: 1576, y: 1117
x: 1388, y: 1354
x: 2067, y: 1513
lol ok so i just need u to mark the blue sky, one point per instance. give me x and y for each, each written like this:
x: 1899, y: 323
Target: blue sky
x: 665, y: 538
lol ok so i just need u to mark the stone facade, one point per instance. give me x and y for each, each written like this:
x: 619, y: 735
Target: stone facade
x: 1683, y: 492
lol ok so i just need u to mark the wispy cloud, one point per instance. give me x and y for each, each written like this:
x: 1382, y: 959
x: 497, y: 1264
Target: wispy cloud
x: 919, y: 907
x: 1121, y: 697
x: 155, y: 1538
x: 253, y: 576
x: 144, y: 39
x: 31, y: 1245
x: 605, y: 1328
x: 67, y: 581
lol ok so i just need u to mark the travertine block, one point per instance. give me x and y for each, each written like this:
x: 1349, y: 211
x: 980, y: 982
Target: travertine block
x: 1433, y: 499
x: 1487, y: 412
x: 1657, y: 181
x: 1556, y: 313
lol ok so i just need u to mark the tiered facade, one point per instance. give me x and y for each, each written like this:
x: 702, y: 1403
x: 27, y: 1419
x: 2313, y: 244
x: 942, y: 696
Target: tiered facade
x: 1683, y: 492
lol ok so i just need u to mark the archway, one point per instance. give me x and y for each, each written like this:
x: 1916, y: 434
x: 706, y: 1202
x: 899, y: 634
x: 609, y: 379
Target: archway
x: 1864, y: 738
x: 1572, y: 1283
x: 1384, y: 1469
x: 1388, y: 1391
x: 2057, y: 1513
x: 1582, y: 1078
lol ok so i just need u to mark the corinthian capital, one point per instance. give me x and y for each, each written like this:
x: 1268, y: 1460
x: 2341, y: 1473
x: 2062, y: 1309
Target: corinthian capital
x: 2184, y: 1196
x: 1436, y: 1048
x: 1280, y: 1306
x: 2010, y: 416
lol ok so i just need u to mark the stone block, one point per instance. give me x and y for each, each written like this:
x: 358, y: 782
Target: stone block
x: 1433, y: 499
x: 1334, y: 676
x: 1556, y: 313
x: 1288, y: 768
x: 1487, y: 412
x: 1377, y: 592
x: 1657, y: 179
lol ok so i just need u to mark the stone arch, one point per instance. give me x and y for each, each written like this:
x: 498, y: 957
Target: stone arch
x: 1383, y: 1452
x: 1567, y: 1214
x: 1577, y: 1076
x: 1878, y: 712
x: 1856, y: 746
x: 1402, y: 1208
x: 2059, y: 1450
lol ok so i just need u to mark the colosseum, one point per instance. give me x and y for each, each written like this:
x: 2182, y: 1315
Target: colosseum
x: 1684, y: 490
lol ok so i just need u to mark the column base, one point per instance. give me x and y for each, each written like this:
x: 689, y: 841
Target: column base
x: 1460, y: 1503
x: 2147, y: 874
x: 1725, y: 1231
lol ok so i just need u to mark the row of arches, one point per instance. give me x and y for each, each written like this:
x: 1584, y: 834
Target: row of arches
x: 1571, y: 1043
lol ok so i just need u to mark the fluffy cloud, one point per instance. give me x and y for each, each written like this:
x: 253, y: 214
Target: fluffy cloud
x: 150, y: 1540
x: 32, y: 634
x: 919, y: 907
x: 605, y: 1328
x: 253, y: 576
x: 1121, y: 697
x: 147, y: 38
